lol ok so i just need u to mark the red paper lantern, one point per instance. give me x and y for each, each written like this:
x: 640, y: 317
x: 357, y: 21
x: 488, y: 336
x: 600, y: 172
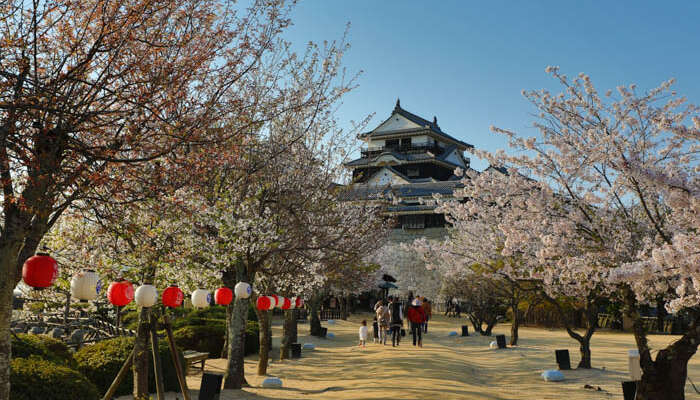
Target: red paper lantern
x: 40, y: 271
x: 120, y: 293
x: 263, y: 303
x: 298, y: 302
x: 223, y: 296
x: 172, y: 296
x: 286, y: 304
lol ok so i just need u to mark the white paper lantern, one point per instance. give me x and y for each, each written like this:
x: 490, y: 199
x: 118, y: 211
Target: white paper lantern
x: 146, y: 295
x: 272, y: 302
x: 293, y: 303
x: 242, y: 290
x: 83, y: 285
x: 200, y: 298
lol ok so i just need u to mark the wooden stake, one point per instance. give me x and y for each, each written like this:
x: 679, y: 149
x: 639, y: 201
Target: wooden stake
x: 157, y: 367
x: 120, y: 376
x: 176, y: 360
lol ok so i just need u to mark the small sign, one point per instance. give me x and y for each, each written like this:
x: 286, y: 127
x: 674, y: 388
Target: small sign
x: 563, y: 359
x: 465, y: 330
x: 210, y: 388
x: 501, y: 341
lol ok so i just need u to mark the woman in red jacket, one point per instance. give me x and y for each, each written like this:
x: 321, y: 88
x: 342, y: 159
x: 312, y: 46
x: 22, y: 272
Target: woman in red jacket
x: 416, y: 316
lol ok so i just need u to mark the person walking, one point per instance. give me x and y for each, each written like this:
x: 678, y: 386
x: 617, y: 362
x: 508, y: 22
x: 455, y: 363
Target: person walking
x: 363, y: 334
x: 428, y: 311
x: 395, y: 320
x: 416, y: 316
x: 383, y: 321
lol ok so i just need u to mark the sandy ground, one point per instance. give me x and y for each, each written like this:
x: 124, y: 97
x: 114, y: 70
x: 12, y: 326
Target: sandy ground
x: 446, y: 367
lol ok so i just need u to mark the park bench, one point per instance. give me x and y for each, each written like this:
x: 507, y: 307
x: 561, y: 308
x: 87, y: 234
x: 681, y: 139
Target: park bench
x: 193, y: 357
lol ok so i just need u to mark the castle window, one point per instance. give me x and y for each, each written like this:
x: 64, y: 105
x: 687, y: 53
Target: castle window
x: 412, y: 172
x: 413, y: 222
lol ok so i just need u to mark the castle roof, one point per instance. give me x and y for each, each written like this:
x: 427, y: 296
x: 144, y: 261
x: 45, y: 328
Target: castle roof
x: 423, y: 125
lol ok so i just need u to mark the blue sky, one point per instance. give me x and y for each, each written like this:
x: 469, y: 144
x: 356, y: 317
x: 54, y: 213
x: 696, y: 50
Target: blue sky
x: 468, y: 61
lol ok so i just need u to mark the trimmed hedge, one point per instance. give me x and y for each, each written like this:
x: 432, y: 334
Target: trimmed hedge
x: 203, y: 338
x: 252, y: 338
x: 34, y: 378
x: 130, y: 319
x: 101, y: 362
x: 45, y: 347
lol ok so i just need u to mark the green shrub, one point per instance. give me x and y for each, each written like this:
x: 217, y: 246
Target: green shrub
x: 130, y: 319
x: 207, y: 316
x: 34, y: 378
x: 252, y: 315
x: 252, y: 338
x: 203, y: 338
x: 37, y: 307
x: 45, y: 347
x: 101, y: 362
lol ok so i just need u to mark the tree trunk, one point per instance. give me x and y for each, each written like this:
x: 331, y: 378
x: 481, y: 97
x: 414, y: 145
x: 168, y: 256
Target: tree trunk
x: 585, y: 350
x: 584, y: 345
x: 141, y: 356
x: 663, y: 378
x: 314, y: 320
x: 489, y: 327
x: 224, y: 349
x: 515, y: 325
x: 476, y: 323
x: 265, y: 341
x: 289, y: 333
x: 9, y: 272
x: 66, y: 311
x: 591, y: 313
x: 6, y: 287
x: 343, y: 309
x: 660, y: 314
x: 349, y: 304
x: 238, y: 318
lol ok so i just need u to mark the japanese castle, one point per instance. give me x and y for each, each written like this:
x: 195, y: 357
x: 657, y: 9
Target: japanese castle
x: 406, y: 159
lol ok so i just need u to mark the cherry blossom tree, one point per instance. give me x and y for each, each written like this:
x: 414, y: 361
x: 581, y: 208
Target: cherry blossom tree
x: 402, y: 262
x: 612, y: 171
x: 474, y: 244
x: 91, y: 91
x: 146, y: 242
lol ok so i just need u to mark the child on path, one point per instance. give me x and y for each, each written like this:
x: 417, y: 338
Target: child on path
x: 363, y: 334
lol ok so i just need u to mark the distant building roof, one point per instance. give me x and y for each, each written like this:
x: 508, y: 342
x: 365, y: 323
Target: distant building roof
x: 431, y: 126
x: 502, y: 170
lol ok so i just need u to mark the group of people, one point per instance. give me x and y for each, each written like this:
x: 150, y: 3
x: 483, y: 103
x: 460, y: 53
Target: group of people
x: 389, y: 319
x: 452, y: 308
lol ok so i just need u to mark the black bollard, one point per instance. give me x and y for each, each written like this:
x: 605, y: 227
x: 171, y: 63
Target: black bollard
x: 465, y: 330
x: 323, y: 333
